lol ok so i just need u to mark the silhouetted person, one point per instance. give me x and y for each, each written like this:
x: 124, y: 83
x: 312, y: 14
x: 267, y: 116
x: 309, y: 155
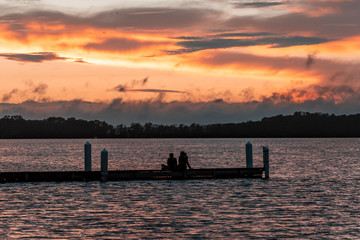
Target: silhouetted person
x: 183, y: 161
x: 171, y: 162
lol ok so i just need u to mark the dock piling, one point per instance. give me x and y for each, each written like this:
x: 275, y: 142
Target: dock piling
x: 104, y: 165
x: 87, y: 156
x: 249, y: 155
x: 266, y: 161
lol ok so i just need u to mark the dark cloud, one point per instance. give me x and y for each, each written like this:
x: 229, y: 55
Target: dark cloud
x: 140, y: 82
x: 7, y: 96
x: 32, y: 57
x: 247, y: 94
x: 335, y: 91
x: 244, y: 34
x: 124, y: 88
x: 153, y: 18
x: 120, y: 88
x: 134, y: 83
x: 292, y: 41
x: 187, y: 38
x: 153, y: 90
x: 310, y: 60
x: 80, y: 60
x: 226, y: 34
x: 119, y: 45
x: 127, y: 18
x: 40, y: 89
x: 278, y: 42
x: 34, y: 91
x: 257, y: 4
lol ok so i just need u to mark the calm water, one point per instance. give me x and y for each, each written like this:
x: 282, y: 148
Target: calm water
x: 313, y: 191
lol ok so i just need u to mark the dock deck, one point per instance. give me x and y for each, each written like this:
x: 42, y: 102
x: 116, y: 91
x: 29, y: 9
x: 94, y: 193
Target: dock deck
x: 127, y: 175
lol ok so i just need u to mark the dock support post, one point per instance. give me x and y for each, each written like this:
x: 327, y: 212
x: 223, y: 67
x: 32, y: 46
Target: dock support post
x: 249, y: 155
x: 104, y: 165
x: 266, y: 161
x: 87, y: 156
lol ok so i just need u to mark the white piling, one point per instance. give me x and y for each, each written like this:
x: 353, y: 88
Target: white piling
x: 87, y: 156
x: 104, y: 165
x: 249, y: 155
x: 266, y: 161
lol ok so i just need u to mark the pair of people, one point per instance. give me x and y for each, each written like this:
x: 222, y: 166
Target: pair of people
x: 172, y: 163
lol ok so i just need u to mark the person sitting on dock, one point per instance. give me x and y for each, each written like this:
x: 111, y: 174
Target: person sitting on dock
x: 183, y: 161
x: 171, y: 163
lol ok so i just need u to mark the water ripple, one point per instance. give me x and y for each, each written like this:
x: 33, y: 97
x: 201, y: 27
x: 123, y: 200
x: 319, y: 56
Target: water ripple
x: 313, y: 193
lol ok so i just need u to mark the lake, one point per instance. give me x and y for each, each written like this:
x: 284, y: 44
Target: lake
x: 313, y: 191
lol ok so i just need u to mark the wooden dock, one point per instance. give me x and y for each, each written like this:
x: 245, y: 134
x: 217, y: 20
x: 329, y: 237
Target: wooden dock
x: 127, y: 175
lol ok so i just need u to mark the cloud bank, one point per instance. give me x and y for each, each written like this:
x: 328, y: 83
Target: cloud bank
x: 217, y: 111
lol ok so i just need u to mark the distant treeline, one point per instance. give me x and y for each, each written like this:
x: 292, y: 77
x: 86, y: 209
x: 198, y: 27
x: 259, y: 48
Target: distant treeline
x: 300, y: 124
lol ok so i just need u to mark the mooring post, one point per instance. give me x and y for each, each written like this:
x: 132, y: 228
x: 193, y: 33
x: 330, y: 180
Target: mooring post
x: 87, y: 156
x: 266, y: 161
x: 249, y: 155
x: 104, y: 165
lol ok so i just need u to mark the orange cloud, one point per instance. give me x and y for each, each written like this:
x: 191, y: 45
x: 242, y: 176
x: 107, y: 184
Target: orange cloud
x: 344, y: 49
x: 247, y: 64
x: 187, y: 50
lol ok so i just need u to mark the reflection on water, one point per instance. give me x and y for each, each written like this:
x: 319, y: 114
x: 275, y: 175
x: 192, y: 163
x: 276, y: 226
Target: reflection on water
x: 313, y: 192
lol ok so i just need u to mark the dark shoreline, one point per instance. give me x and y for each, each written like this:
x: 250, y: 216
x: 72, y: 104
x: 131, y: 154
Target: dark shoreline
x: 298, y: 125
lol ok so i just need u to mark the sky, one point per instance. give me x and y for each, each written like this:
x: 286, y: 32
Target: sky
x: 172, y: 62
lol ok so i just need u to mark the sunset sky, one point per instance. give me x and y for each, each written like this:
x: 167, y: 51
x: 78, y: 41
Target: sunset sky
x: 178, y: 61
